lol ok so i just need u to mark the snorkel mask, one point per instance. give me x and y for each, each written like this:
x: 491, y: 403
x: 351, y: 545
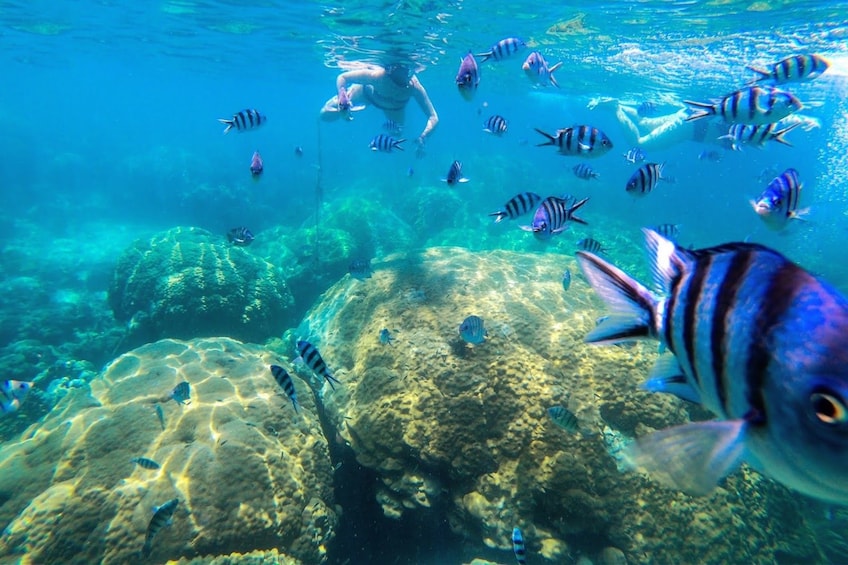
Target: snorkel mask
x: 400, y: 74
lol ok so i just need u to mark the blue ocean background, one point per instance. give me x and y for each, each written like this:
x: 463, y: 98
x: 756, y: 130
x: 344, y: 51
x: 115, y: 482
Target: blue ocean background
x: 109, y: 113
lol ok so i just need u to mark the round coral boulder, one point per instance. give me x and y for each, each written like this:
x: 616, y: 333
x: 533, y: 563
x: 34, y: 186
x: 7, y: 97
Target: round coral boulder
x: 187, y: 282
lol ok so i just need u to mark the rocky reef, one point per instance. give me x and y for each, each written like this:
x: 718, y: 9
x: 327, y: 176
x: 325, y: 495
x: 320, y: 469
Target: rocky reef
x: 465, y: 428
x: 186, y: 282
x: 250, y: 473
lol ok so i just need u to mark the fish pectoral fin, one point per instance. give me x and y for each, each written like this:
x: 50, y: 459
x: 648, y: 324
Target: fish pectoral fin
x: 799, y: 214
x: 527, y: 228
x: 692, y: 457
x: 667, y: 376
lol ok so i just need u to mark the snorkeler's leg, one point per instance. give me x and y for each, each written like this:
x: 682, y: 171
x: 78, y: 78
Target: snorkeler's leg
x: 624, y: 118
x: 668, y: 131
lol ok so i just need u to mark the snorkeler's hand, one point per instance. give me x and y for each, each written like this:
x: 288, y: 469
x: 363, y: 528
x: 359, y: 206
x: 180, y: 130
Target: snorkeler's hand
x: 419, y: 151
x: 344, y: 100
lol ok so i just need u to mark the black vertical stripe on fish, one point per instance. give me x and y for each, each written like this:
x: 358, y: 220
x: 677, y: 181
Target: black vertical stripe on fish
x: 724, y: 302
x: 694, y: 294
x: 781, y: 291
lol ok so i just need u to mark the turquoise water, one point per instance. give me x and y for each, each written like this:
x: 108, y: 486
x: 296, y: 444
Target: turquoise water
x: 110, y: 135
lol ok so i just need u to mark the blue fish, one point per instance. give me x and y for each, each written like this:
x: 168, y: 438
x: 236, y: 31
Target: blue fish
x: 743, y: 134
x: 455, y: 174
x: 503, y: 49
x: 161, y: 415
x: 145, y: 463
x: 256, y: 165
x: 518, y: 546
x: 385, y: 143
x: 590, y: 245
x: 779, y: 201
x: 564, y: 418
x: 12, y: 393
x: 243, y: 121
x: 285, y: 381
x: 578, y: 140
x: 566, y: 279
x: 182, y: 393
x: 386, y: 336
x: 313, y: 360
x: 584, y: 171
x: 471, y: 330
x: 468, y: 77
x: 551, y: 216
x: 635, y: 155
x: 536, y: 68
x: 162, y: 516
x: 645, y: 179
x: 517, y: 206
x: 360, y: 269
x: 751, y: 105
x: 495, y: 125
x: 755, y: 339
x: 792, y: 69
x: 240, y: 237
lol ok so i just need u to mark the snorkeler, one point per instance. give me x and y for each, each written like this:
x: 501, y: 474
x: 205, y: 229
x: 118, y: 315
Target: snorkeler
x: 651, y: 131
x: 388, y: 88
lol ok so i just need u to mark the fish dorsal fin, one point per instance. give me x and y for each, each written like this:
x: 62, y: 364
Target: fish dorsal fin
x: 666, y: 260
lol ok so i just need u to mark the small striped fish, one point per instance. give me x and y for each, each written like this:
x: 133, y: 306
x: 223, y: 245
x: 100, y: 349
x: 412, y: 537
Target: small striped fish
x: 243, y: 121
x: 578, y: 140
x: 360, y: 269
x: 471, y: 330
x: 145, y: 463
x: 385, y: 143
x: 635, y: 155
x: 517, y: 206
x: 751, y: 105
x: 468, y: 77
x: 536, y: 68
x: 495, y: 125
x: 503, y: 49
x: 755, y: 339
x: 455, y: 174
x: 162, y: 516
x: 564, y: 418
x: 566, y: 279
x: 584, y: 171
x: 312, y: 359
x: 285, y: 381
x: 182, y: 393
x: 518, y: 546
x: 779, y: 201
x: 792, y: 69
x: 393, y: 127
x: 744, y: 134
x: 590, y: 245
x: 645, y: 179
x: 12, y: 393
x: 552, y: 215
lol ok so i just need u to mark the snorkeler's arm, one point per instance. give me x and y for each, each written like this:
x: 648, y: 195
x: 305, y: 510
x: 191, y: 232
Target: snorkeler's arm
x: 361, y: 76
x: 427, y: 107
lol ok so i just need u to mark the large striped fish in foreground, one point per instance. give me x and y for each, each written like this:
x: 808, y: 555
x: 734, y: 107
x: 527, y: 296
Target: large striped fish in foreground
x: 517, y: 206
x: 578, y: 140
x: 791, y: 69
x: 751, y: 105
x: 755, y: 339
x: 742, y: 134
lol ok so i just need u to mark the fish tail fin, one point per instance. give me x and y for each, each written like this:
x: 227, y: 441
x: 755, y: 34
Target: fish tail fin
x: 574, y: 208
x: 551, y: 74
x: 331, y: 379
x: 778, y: 135
x: 634, y: 307
x: 551, y: 139
x: 228, y: 123
x: 499, y: 216
x: 485, y: 56
x: 763, y: 75
x: 397, y: 144
x: 691, y: 457
x: 704, y: 109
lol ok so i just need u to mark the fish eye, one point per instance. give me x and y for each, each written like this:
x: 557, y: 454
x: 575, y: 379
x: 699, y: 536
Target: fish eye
x: 829, y: 409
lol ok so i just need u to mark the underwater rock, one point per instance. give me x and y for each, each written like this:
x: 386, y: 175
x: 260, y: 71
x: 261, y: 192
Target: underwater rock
x: 464, y: 429
x: 249, y: 472
x: 186, y: 282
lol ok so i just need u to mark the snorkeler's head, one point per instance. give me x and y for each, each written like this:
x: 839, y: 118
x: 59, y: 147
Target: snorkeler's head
x: 400, y: 73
